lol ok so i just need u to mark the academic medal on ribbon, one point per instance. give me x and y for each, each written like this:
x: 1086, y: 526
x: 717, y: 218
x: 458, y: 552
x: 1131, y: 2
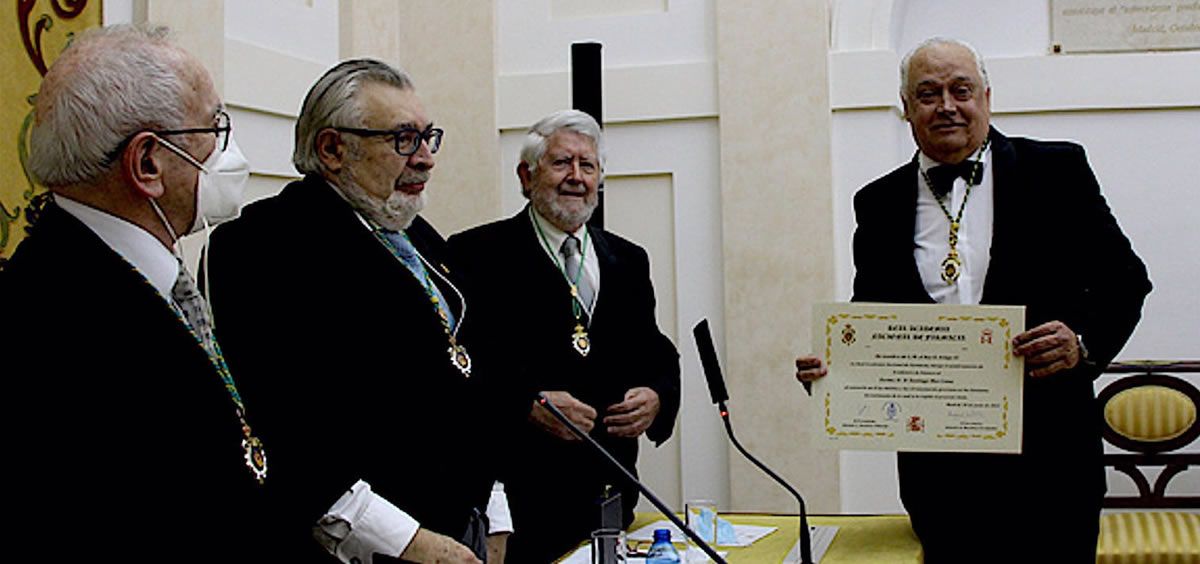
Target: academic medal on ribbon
x: 255, y: 456
x: 580, y: 341
x: 460, y: 359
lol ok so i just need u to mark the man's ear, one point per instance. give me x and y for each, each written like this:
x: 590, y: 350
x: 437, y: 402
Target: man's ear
x: 904, y: 106
x: 526, y: 177
x: 141, y: 168
x: 330, y: 149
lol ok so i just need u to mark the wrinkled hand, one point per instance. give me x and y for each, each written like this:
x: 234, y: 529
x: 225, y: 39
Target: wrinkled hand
x: 809, y: 368
x: 497, y: 546
x: 428, y: 546
x: 633, y: 416
x: 577, y: 412
x: 1048, y: 349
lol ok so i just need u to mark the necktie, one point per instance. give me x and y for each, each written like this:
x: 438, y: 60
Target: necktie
x: 942, y: 177
x: 571, y: 267
x: 187, y: 296
x: 407, y: 253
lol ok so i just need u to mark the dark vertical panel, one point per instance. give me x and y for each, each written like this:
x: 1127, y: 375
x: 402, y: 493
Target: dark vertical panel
x: 587, y: 96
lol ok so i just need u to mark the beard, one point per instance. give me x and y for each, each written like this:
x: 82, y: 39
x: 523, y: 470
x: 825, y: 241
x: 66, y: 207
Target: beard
x: 395, y: 213
x: 567, y: 218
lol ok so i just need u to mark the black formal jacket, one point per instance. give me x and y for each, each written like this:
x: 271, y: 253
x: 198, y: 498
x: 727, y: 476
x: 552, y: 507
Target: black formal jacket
x: 340, y: 350
x: 523, y: 304
x: 121, y: 439
x: 1057, y: 250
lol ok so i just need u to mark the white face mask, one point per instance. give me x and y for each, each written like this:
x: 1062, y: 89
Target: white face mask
x: 222, y: 184
x: 219, y: 190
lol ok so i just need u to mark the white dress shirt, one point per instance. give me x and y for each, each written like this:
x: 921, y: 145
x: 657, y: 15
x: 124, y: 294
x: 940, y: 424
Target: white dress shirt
x: 136, y: 245
x: 554, y: 242
x: 932, y: 234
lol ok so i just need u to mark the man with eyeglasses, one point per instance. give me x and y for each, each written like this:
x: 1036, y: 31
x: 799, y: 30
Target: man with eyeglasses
x: 127, y: 434
x: 335, y: 301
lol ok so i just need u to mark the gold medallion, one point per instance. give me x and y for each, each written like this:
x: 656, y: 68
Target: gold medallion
x: 460, y: 359
x: 580, y: 341
x: 255, y: 456
x: 951, y: 267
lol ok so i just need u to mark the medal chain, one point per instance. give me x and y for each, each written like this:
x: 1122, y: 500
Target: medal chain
x: 955, y: 220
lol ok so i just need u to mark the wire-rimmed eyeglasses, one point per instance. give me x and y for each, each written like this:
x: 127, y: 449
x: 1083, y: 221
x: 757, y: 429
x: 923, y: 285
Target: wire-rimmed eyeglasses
x: 221, y: 130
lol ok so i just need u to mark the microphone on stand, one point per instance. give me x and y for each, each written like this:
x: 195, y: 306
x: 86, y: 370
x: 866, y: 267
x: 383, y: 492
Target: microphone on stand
x: 662, y: 507
x: 716, y: 388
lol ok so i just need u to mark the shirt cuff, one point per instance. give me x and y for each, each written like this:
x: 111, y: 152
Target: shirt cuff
x: 362, y: 524
x: 499, y: 518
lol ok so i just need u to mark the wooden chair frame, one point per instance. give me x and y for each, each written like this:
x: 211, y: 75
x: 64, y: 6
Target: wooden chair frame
x: 1152, y: 453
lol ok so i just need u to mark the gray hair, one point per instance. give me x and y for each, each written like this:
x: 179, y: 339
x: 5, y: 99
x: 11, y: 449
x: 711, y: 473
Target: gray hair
x: 333, y: 102
x: 906, y: 62
x: 107, y: 85
x: 571, y: 120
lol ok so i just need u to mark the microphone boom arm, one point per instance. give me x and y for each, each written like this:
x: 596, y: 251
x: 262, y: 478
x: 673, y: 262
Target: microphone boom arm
x: 805, y: 540
x: 662, y: 507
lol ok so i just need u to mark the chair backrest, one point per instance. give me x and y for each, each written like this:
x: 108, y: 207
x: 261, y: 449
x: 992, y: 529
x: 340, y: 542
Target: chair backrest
x: 1151, y: 413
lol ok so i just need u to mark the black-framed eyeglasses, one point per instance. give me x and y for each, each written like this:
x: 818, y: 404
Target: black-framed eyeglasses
x: 407, y: 139
x: 221, y: 130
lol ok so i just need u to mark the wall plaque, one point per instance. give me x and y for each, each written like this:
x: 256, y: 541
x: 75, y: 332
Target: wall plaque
x: 1080, y: 26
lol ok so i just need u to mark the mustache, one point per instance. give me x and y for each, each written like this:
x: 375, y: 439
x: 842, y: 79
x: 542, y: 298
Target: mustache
x: 414, y: 178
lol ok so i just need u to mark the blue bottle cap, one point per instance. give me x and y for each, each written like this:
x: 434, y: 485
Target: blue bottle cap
x: 662, y: 535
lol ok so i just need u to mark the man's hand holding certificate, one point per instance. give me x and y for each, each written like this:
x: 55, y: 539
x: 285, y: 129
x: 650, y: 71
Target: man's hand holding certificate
x: 918, y: 377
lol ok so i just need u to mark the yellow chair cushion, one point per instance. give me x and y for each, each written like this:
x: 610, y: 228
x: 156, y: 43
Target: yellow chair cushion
x: 1146, y: 537
x: 1150, y: 413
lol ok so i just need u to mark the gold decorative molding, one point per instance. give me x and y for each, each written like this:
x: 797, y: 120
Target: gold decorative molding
x: 39, y: 32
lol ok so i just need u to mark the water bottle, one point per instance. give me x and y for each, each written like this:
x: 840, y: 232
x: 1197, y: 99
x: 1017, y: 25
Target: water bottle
x: 662, y: 551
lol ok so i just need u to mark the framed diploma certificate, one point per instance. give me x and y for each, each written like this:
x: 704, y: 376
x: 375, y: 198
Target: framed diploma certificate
x: 918, y: 377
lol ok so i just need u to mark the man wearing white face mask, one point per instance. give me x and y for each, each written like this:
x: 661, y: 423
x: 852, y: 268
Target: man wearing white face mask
x: 136, y: 436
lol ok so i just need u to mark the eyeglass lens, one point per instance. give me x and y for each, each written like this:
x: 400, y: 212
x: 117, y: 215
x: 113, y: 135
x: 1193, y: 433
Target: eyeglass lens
x: 409, y: 140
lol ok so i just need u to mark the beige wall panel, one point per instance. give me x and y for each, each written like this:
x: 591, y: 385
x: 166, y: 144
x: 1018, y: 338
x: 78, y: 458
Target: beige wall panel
x: 199, y: 27
x: 448, y: 46
x: 641, y: 208
x: 560, y: 9
x: 369, y: 28
x: 778, y: 234
x: 266, y: 80
x: 682, y: 90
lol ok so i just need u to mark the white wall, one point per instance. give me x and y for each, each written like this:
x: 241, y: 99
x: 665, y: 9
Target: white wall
x: 1138, y: 115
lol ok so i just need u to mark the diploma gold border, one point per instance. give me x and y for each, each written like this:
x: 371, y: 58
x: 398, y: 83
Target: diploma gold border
x: 832, y: 321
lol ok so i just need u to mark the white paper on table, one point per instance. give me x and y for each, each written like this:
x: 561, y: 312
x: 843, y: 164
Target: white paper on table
x: 821, y: 538
x: 746, y: 534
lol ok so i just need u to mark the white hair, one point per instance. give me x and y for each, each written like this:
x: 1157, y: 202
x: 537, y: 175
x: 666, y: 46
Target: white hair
x: 906, y: 62
x: 571, y: 120
x: 333, y: 102
x: 107, y: 85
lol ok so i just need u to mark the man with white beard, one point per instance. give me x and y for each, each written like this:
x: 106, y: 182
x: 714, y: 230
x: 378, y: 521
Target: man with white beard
x: 570, y: 309
x: 334, y: 300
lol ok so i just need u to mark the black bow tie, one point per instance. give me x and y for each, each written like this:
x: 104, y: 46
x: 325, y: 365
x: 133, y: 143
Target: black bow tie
x: 941, y: 177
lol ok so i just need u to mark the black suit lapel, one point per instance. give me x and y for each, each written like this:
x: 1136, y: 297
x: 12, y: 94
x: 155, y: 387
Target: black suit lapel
x: 358, y: 249
x: 78, y: 252
x: 903, y: 196
x: 546, y: 280
x: 609, y: 264
x: 1005, y: 199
